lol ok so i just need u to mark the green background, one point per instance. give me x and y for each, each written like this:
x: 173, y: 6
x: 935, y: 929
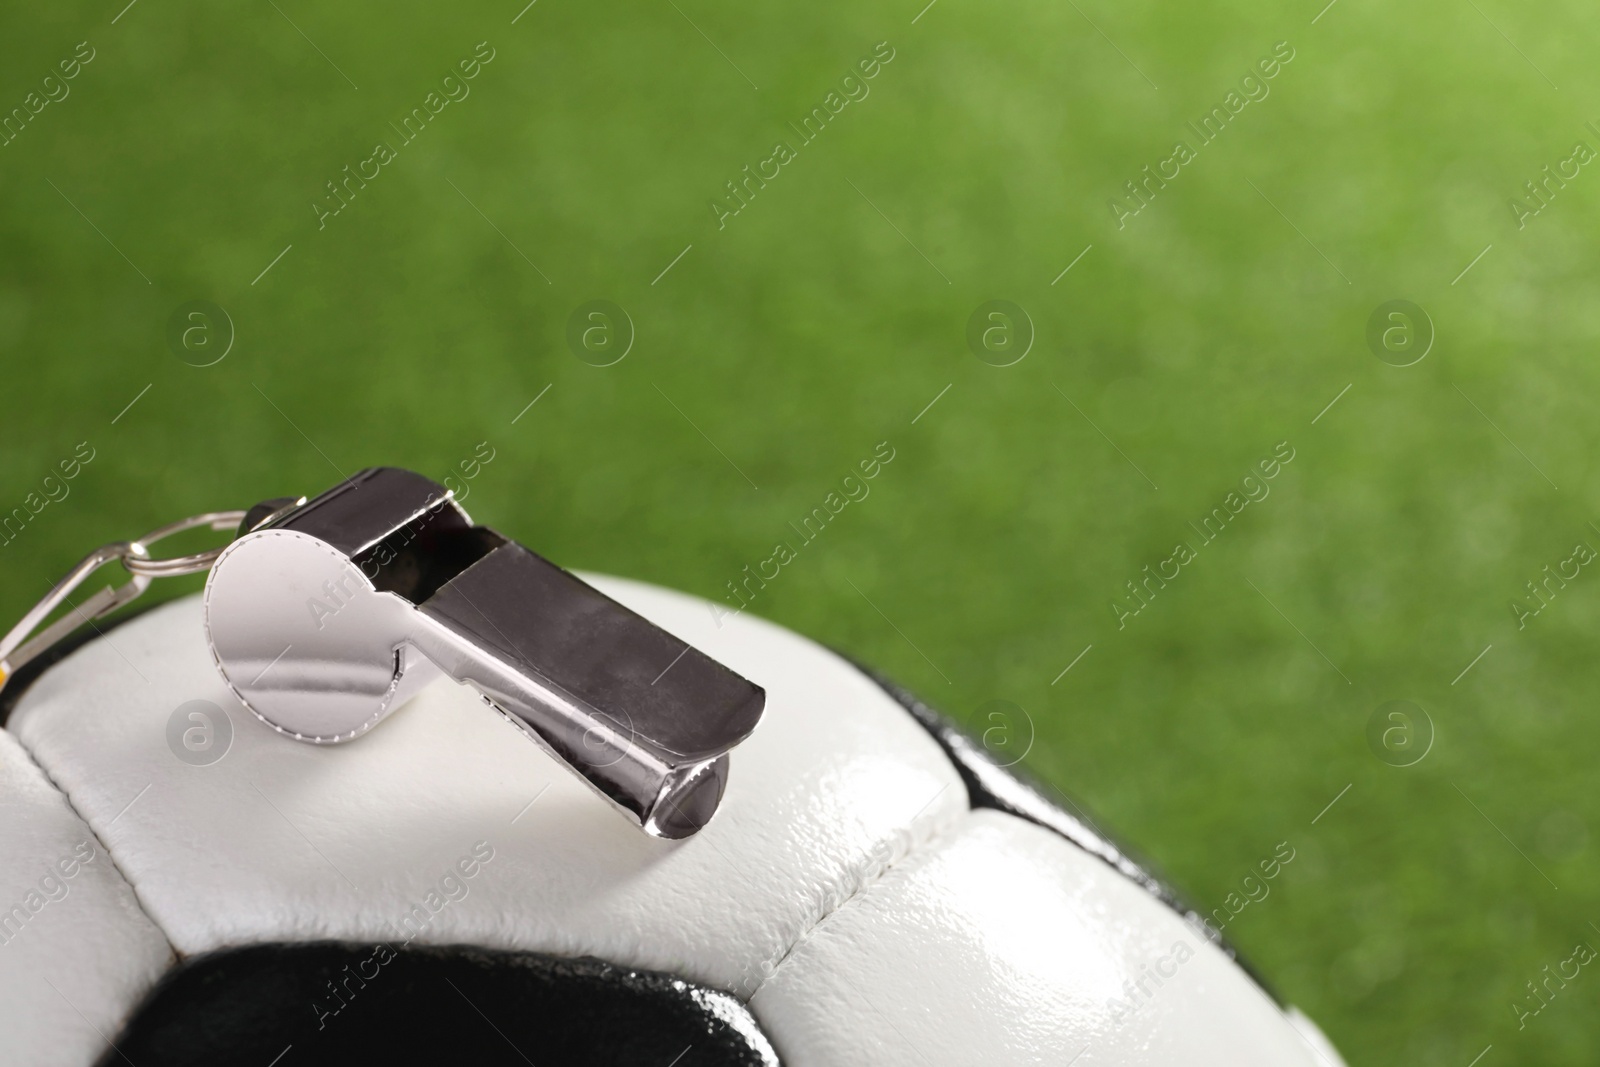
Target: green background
x: 829, y: 313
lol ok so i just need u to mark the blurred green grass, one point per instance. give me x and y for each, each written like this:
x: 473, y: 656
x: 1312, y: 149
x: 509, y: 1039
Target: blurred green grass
x: 823, y: 318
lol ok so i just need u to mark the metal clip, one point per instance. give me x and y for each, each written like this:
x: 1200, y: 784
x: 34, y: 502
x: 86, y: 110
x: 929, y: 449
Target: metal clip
x: 327, y: 616
x: 16, y: 649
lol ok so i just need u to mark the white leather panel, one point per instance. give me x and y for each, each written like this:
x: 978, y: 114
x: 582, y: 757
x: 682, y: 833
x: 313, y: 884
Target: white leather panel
x: 76, y: 953
x: 282, y: 840
x: 1003, y: 944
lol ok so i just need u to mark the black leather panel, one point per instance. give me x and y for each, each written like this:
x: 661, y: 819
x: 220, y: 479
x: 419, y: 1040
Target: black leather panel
x: 331, y: 1004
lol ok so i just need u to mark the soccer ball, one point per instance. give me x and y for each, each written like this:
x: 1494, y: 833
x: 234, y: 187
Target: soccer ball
x: 180, y: 884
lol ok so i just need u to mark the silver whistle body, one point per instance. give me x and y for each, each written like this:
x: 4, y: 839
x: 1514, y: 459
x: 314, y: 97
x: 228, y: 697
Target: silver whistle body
x: 327, y: 615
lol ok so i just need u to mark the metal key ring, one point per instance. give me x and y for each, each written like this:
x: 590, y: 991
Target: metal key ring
x: 16, y: 648
x: 176, y: 565
x: 22, y: 644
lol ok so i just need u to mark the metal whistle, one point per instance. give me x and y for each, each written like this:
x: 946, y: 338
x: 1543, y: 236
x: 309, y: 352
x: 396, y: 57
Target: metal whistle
x: 326, y: 615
